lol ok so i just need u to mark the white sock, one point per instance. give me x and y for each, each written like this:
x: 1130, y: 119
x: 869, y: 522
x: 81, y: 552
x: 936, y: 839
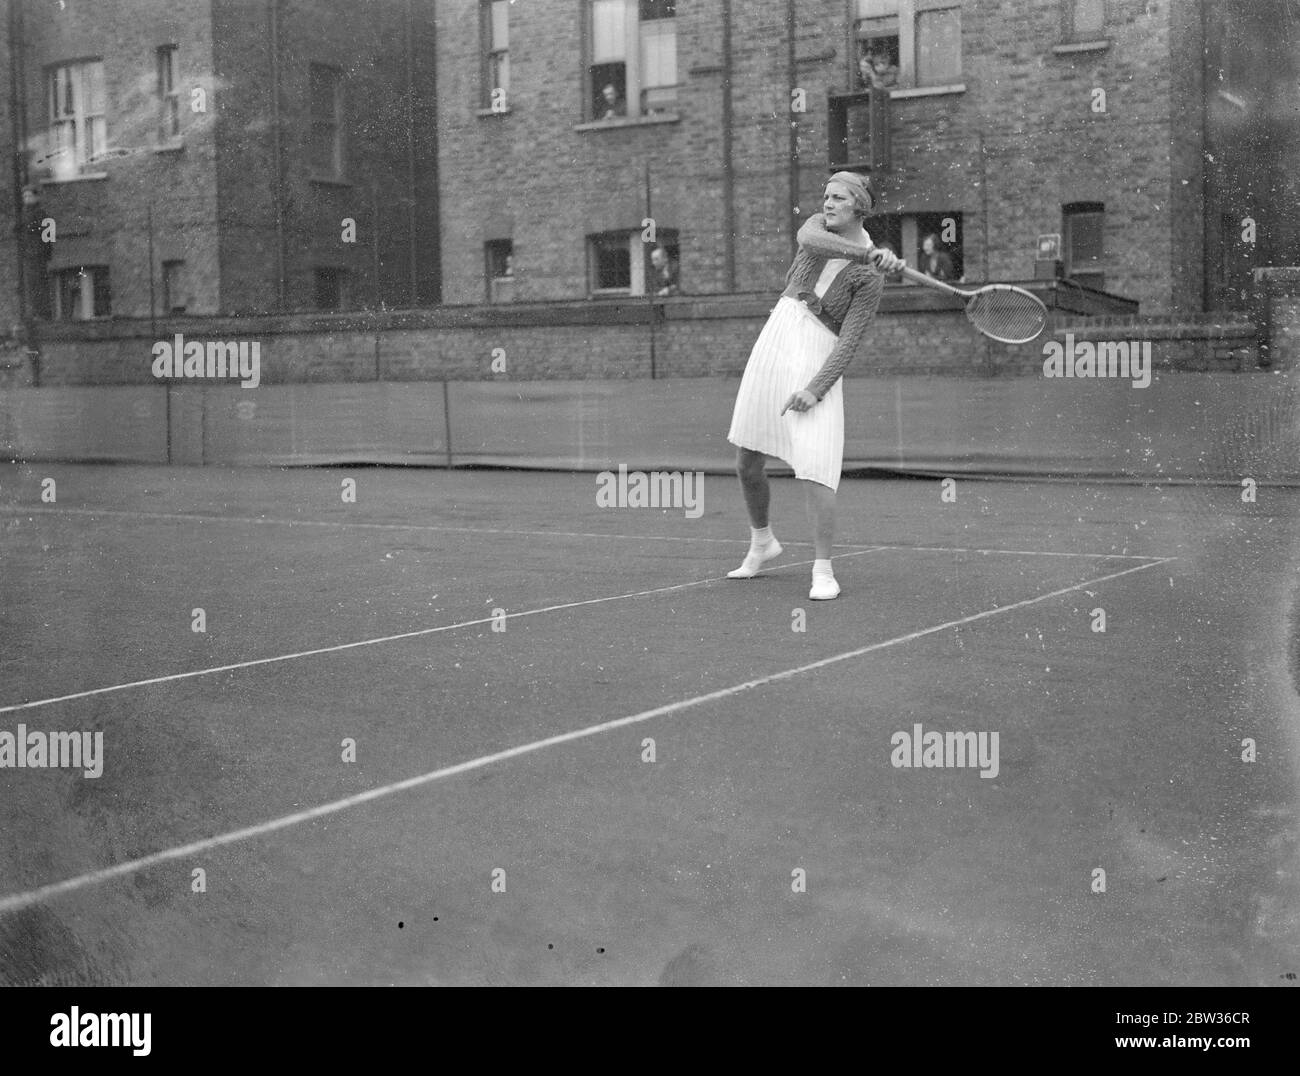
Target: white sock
x: 823, y: 567
x: 763, y: 547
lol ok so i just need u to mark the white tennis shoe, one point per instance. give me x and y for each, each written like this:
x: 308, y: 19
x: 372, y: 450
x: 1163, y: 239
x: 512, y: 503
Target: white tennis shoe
x: 824, y: 588
x: 755, y: 559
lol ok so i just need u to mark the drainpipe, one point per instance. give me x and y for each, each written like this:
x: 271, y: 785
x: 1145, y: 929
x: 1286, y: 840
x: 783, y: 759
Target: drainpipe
x: 277, y: 138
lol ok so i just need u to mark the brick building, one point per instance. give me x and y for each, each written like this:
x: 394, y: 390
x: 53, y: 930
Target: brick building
x: 997, y: 124
x: 205, y: 156
x: 1252, y: 149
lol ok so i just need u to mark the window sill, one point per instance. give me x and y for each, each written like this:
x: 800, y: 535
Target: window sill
x: 492, y: 112
x: 82, y: 178
x: 636, y: 121
x: 1232, y: 99
x: 1064, y: 49
x: 326, y: 181
x: 927, y: 91
x: 174, y: 146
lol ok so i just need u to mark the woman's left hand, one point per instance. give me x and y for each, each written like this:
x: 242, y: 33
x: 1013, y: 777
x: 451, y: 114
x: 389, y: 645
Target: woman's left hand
x: 799, y: 401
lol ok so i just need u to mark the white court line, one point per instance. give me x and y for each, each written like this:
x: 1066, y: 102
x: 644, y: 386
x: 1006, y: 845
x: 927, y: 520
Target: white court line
x: 35, y: 896
x: 199, y: 518
x: 388, y: 638
x: 1027, y: 552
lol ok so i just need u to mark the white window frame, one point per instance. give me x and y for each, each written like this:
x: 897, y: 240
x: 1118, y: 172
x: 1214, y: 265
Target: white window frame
x: 76, y: 126
x: 637, y: 258
x: 908, y: 13
x: 169, y: 95
x: 496, y: 53
x: 342, y: 281
x: 173, y: 286
x: 632, y: 58
x: 85, y: 301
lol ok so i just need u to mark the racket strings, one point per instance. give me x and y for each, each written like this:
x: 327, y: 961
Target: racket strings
x: 1007, y: 314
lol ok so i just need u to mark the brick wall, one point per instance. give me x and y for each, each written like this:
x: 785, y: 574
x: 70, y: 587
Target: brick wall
x: 917, y: 332
x: 369, y: 42
x: 213, y: 201
x: 1007, y: 152
x: 104, y: 221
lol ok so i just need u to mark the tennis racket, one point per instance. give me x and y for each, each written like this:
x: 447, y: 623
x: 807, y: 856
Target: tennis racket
x: 1001, y: 312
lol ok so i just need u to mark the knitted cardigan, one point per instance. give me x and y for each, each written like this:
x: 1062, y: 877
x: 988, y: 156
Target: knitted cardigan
x: 851, y: 299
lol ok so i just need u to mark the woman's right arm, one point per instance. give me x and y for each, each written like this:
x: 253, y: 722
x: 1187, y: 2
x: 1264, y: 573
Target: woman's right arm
x: 819, y: 241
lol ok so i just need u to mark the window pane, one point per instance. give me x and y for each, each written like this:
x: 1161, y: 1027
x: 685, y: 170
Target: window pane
x: 499, y: 71
x: 96, y: 139
x: 329, y: 289
x: 878, y: 28
x: 657, y: 9
x: 166, y: 70
x: 613, y: 262
x: 603, y: 75
x: 608, y: 31
x: 102, y: 294
x: 938, y: 47
x: 1085, y: 232
x: 659, y: 53
x: 171, y: 282
x: 501, y: 24
x: 1089, y: 16
x: 94, y: 87
x: 58, y: 90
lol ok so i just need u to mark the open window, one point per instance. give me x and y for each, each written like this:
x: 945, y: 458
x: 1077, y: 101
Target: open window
x: 632, y: 58
x: 499, y: 255
x: 1083, y: 231
x: 906, y: 44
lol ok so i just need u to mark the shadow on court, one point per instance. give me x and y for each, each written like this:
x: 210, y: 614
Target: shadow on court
x: 621, y: 767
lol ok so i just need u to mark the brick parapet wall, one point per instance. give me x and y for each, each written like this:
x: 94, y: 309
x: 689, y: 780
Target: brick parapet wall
x: 916, y: 332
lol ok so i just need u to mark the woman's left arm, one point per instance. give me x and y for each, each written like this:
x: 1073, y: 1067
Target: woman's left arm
x: 819, y: 241
x: 862, y: 311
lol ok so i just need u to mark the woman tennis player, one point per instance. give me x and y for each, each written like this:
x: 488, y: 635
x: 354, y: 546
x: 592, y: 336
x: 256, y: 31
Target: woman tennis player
x: 791, y: 404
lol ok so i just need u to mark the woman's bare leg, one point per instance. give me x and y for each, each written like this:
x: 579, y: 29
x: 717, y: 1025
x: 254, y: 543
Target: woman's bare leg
x: 763, y: 545
x: 821, y: 517
x: 753, y: 483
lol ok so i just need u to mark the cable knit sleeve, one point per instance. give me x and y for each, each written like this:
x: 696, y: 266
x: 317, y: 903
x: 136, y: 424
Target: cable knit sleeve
x: 867, y: 290
x: 819, y: 241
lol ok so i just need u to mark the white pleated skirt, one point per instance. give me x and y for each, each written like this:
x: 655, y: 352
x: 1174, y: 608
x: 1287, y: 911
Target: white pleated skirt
x: 787, y: 355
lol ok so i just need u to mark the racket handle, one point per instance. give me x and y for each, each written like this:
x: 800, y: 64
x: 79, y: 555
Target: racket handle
x: 922, y: 278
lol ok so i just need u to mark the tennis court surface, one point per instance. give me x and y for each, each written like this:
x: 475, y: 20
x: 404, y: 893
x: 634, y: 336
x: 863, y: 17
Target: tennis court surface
x: 501, y: 650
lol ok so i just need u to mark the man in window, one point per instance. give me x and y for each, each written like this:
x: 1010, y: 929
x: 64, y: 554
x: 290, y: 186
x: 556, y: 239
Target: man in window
x: 877, y: 69
x: 934, y: 261
x: 665, y: 272
x: 612, y: 106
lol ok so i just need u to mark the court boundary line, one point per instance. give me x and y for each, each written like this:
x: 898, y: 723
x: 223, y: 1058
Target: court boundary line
x: 198, y: 517
x: 191, y: 674
x: 17, y: 901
